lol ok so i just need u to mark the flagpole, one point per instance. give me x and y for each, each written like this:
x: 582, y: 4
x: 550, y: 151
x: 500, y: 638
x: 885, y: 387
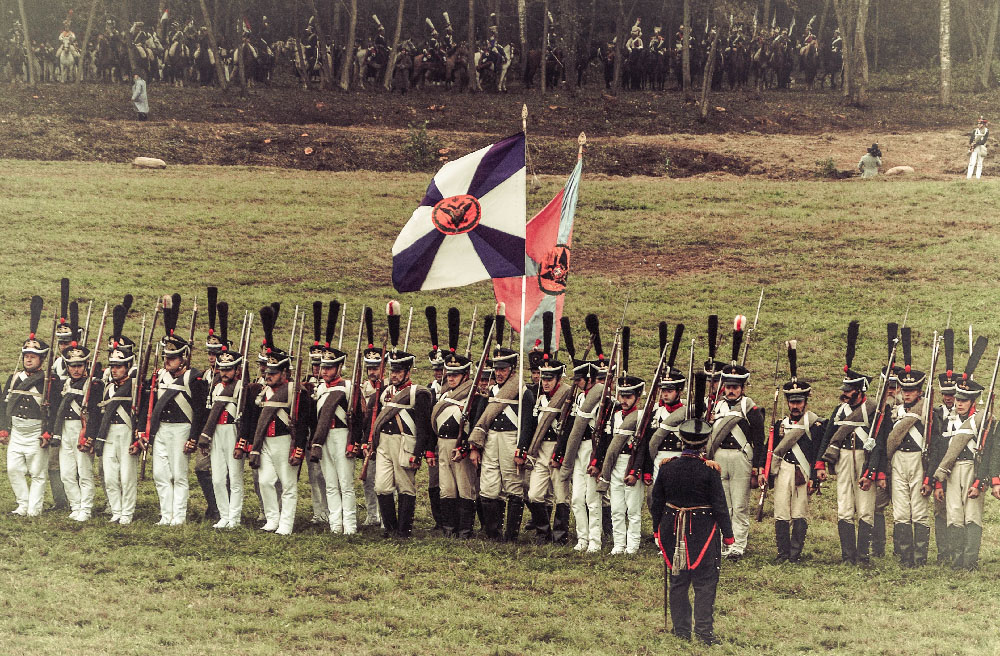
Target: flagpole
x: 524, y: 287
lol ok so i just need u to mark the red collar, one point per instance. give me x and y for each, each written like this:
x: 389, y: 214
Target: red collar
x: 626, y: 413
x: 335, y: 381
x: 672, y: 408
x: 400, y: 388
x: 549, y: 394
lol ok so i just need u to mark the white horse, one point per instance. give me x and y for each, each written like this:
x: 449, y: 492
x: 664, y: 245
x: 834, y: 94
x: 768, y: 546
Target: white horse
x: 358, y: 67
x: 69, y: 61
x: 508, y: 51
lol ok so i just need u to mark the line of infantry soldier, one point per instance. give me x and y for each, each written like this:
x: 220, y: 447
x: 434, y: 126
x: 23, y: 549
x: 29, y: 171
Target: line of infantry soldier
x: 568, y: 443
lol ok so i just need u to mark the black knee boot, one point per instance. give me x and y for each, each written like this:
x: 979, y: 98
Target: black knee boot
x: 466, y: 517
x: 848, y: 542
x: 211, y: 508
x: 956, y: 539
x: 480, y: 513
x: 387, y: 508
x: 921, y: 542
x: 878, y: 535
x: 902, y: 540
x: 434, y: 495
x: 449, y: 516
x: 973, y: 540
x: 530, y: 524
x: 560, y: 524
x: 543, y: 532
x: 798, y: 539
x: 492, y: 518
x: 515, y: 511
x: 781, y: 539
x: 407, y: 506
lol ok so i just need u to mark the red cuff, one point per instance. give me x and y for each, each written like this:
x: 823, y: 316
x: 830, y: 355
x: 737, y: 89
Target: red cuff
x: 976, y: 483
x: 728, y: 541
x: 996, y: 480
x: 819, y: 465
x: 430, y: 454
x: 647, y: 478
x: 593, y: 463
x: 938, y: 485
x: 881, y: 476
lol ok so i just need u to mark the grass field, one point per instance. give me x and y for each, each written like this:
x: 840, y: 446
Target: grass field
x: 825, y: 253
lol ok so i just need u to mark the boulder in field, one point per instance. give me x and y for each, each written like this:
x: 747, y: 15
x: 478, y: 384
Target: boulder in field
x: 149, y: 163
x: 899, y: 170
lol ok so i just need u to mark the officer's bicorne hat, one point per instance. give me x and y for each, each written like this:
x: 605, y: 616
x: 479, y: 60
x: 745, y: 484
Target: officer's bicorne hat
x: 435, y: 356
x: 967, y: 388
x: 76, y: 353
x: 735, y: 373
x: 948, y: 381
x: 64, y: 332
x: 213, y: 343
x: 852, y: 379
x: 672, y: 378
x: 794, y: 389
x: 329, y: 356
x: 580, y: 368
x: 35, y: 345
x: 372, y: 354
x: 396, y: 358
x: 503, y: 357
x: 226, y: 357
x: 550, y: 366
x: 118, y: 352
x: 454, y: 362
x: 628, y: 384
x: 909, y: 378
x: 712, y: 367
x: 599, y: 366
x: 172, y: 343
x: 695, y: 432
x: 276, y: 359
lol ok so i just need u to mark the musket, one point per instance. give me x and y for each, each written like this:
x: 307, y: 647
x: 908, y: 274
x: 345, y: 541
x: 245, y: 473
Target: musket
x: 406, y: 339
x: 241, y: 392
x: 713, y: 345
x: 688, y: 404
x: 753, y: 329
x: 948, y: 324
x: 770, y: 439
x: 379, y: 385
x: 635, y: 460
x: 928, y: 414
x: 343, y: 318
x: 194, y: 319
x: 354, y: 403
x: 295, y: 323
x: 880, y: 411
x: 85, y: 404
x: 906, y: 315
x: 970, y: 339
x: 47, y: 389
x: 243, y: 331
x: 86, y: 324
x: 987, y: 412
x: 153, y: 385
x: 606, y: 404
x: 472, y: 329
x: 146, y: 349
x: 296, y: 393
x: 462, y: 442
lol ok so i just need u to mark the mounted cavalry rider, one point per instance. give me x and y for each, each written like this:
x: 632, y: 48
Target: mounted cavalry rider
x: 838, y: 42
x: 433, y: 48
x: 635, y: 41
x: 494, y: 51
x: 657, y: 44
x: 67, y: 38
x: 448, y: 43
x: 381, y: 44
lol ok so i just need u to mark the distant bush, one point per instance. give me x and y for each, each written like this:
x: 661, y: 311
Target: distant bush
x: 422, y: 149
x: 827, y: 168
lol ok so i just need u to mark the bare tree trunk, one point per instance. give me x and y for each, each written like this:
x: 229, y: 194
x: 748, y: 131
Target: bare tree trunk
x: 86, y: 41
x: 522, y: 31
x: 706, y: 81
x: 335, y: 36
x: 159, y: 24
x: 765, y: 19
x: 326, y: 71
x: 986, y: 72
x: 391, y: 62
x: 571, y: 31
x: 877, y: 33
x: 219, y: 71
x: 945, y: 45
x: 545, y: 40
x: 975, y: 34
x: 843, y: 9
x: 27, y: 43
x: 352, y: 26
x: 619, y: 47
x: 129, y: 46
x: 686, y: 49
x: 471, y: 64
x: 822, y: 18
x: 860, y: 92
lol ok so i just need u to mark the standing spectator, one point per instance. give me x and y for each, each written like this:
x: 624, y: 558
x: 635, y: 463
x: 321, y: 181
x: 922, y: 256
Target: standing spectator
x: 139, y: 96
x: 871, y: 162
x: 977, y: 148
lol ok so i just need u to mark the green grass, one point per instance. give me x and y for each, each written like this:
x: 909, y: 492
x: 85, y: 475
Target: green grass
x: 825, y: 252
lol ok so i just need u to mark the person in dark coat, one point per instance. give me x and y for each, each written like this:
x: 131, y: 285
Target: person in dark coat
x: 692, y: 522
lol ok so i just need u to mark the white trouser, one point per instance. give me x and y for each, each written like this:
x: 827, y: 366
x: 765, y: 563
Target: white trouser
x: 791, y: 501
x: 851, y: 499
x: 120, y: 471
x: 736, y: 484
x: 546, y: 484
x: 976, y: 158
x: 170, y: 471
x: 26, y: 458
x: 226, y: 467
x: 274, y: 467
x: 317, y: 490
x: 961, y: 509
x: 76, y: 469
x: 626, y: 506
x: 586, y: 499
x: 908, y: 505
x: 338, y: 471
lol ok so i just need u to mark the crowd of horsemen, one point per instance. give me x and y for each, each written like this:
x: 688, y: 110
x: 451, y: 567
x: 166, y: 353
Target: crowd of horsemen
x: 583, y: 440
x: 179, y: 53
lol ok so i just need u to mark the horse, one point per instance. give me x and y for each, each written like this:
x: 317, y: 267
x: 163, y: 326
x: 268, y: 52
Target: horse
x: 69, y: 61
x: 375, y: 61
x: 781, y: 63
x: 608, y: 62
x: 584, y: 56
x: 760, y: 67
x: 245, y: 58
x: 176, y: 61
x: 831, y: 64
x: 456, y: 67
x: 427, y: 68
x: 204, y: 62
x: 402, y: 70
x: 809, y: 54
x: 735, y: 61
